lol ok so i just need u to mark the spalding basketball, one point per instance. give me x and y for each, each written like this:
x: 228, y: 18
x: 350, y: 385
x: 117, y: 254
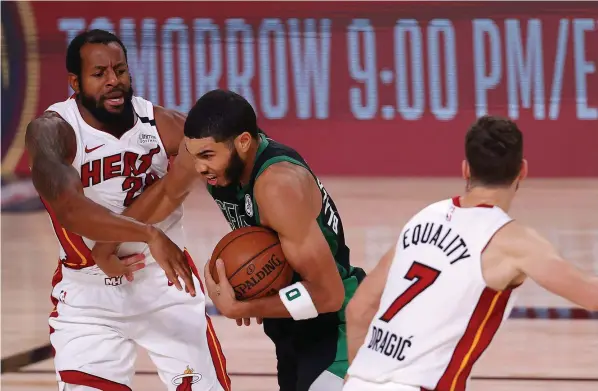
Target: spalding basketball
x: 254, y: 262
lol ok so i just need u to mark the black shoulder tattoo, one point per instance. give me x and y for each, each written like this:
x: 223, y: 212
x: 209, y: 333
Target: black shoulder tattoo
x: 51, y: 145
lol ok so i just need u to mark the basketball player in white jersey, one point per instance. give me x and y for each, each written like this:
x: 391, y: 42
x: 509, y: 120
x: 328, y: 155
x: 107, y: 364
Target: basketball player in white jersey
x: 430, y: 308
x: 90, y: 157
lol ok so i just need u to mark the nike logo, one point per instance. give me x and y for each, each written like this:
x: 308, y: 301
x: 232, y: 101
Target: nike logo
x: 89, y: 150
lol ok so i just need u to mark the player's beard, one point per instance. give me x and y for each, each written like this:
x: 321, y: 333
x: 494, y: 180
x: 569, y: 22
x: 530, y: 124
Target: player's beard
x: 124, y: 119
x: 235, y: 167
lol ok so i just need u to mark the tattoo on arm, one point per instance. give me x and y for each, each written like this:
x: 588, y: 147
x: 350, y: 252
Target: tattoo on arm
x: 52, y: 145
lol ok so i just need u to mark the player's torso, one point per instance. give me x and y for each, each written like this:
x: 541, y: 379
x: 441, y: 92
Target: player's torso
x: 113, y: 172
x: 240, y: 209
x: 436, y: 315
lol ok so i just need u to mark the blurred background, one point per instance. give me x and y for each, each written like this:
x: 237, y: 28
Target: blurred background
x: 377, y: 97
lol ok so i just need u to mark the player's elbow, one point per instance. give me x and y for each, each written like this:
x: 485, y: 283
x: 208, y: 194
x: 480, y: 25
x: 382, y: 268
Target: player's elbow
x: 68, y: 217
x: 333, y: 299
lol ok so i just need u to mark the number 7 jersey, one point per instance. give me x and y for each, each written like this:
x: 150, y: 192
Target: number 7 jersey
x: 114, y: 171
x: 436, y: 314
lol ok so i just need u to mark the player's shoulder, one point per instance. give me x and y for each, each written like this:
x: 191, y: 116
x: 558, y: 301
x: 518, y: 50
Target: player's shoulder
x: 287, y: 187
x: 46, y: 122
x: 519, y: 240
x: 442, y: 207
x: 53, y: 122
x: 143, y: 107
x: 62, y: 107
x: 50, y: 136
x: 168, y: 123
x: 285, y: 176
x: 164, y: 115
x: 151, y: 112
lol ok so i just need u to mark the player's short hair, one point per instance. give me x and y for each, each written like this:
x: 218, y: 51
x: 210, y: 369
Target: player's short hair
x: 221, y: 114
x: 494, y: 151
x: 73, y: 52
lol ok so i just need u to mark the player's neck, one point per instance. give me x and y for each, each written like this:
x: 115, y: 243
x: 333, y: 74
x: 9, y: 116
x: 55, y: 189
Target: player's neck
x: 249, y: 162
x: 501, y: 197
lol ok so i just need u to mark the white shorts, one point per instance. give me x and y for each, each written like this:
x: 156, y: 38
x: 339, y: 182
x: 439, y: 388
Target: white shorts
x: 98, y: 322
x: 355, y: 384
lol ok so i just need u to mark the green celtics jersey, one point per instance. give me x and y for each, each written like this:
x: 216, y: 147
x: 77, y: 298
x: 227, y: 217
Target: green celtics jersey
x: 240, y: 210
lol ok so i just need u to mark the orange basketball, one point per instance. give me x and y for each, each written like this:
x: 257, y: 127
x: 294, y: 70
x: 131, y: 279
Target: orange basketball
x: 254, y: 262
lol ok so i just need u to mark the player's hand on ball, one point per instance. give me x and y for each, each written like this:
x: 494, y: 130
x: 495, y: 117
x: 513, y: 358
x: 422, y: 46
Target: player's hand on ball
x: 222, y: 294
x: 173, y: 260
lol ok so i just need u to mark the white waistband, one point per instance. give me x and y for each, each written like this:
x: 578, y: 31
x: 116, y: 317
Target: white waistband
x: 94, y: 275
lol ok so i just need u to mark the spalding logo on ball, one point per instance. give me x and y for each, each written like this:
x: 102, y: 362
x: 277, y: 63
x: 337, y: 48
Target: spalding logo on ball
x: 254, y: 262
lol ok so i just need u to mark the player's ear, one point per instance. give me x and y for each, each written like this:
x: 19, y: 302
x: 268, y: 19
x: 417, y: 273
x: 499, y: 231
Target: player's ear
x: 243, y: 142
x: 523, y: 171
x: 74, y: 82
x: 465, y: 171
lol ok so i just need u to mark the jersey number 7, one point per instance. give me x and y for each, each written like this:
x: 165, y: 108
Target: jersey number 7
x: 424, y: 276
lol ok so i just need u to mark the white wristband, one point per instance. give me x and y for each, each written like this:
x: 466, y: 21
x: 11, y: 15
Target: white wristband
x: 298, y: 301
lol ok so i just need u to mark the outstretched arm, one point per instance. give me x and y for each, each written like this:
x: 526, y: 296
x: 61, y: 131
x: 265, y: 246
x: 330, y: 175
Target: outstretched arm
x: 51, y: 145
x: 537, y: 258
x: 365, y: 303
x: 289, y: 202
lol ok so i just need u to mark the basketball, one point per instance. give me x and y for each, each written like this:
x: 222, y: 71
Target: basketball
x: 254, y: 262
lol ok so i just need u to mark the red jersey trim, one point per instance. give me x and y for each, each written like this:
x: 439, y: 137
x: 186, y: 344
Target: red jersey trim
x: 78, y: 255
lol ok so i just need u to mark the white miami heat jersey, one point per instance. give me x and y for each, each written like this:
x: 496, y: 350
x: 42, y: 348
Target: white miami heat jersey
x: 436, y: 314
x: 113, y: 172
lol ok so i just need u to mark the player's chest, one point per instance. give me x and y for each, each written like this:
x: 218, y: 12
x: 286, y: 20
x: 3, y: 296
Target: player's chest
x: 104, y: 159
x: 238, y: 209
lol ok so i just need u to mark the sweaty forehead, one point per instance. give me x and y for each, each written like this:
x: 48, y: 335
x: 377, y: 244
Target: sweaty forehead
x: 102, y: 55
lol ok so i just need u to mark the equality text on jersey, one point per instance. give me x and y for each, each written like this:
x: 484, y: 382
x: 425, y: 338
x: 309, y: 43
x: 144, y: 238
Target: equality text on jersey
x: 438, y: 235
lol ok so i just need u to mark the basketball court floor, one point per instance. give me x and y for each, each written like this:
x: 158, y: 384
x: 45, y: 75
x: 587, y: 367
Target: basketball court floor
x: 548, y: 345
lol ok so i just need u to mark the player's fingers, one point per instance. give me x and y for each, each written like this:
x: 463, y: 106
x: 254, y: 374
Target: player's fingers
x: 207, y: 275
x: 239, y: 322
x: 173, y: 278
x: 135, y: 267
x: 177, y: 282
x: 112, y: 266
x: 184, y: 272
x: 221, y: 272
x: 247, y: 321
x: 259, y: 320
x: 132, y: 259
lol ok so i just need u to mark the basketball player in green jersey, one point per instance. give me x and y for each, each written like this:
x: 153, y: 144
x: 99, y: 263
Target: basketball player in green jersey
x: 259, y: 182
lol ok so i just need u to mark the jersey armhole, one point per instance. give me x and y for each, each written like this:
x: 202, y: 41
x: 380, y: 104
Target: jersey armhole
x: 494, y: 230
x: 278, y: 159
